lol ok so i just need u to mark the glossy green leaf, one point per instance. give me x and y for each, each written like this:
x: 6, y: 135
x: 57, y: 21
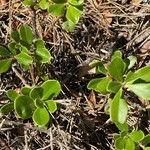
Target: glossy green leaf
x: 122, y: 127
x: 41, y: 116
x: 117, y: 68
x: 114, y: 86
x: 4, y: 51
x: 118, y: 108
x: 7, y: 108
x: 136, y: 136
x: 25, y: 91
x: 120, y: 143
x: 5, y: 65
x: 24, y: 58
x: 115, y: 54
x: 146, y: 140
x: 56, y: 9
x: 36, y: 93
x: 15, y: 36
x: 130, y: 145
x: 76, y: 2
x: 12, y: 94
x: 39, y: 103
x: 73, y: 14
x: 51, y: 88
x: 43, y: 55
x: 26, y: 34
x: 69, y: 26
x: 51, y: 106
x: 24, y: 106
x: 99, y: 85
x: 43, y: 4
x: 140, y: 89
x: 12, y: 48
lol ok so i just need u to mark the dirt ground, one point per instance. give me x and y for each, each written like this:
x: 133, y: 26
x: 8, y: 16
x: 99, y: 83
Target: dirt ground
x: 104, y: 25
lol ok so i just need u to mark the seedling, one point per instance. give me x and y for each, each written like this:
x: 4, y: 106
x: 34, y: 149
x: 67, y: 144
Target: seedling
x: 23, y: 49
x: 36, y: 102
x: 117, y: 78
x: 71, y: 10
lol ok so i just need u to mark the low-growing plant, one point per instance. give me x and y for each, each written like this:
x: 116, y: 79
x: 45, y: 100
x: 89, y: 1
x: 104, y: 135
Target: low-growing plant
x: 118, y: 79
x: 71, y: 10
x: 37, y: 102
x: 23, y: 49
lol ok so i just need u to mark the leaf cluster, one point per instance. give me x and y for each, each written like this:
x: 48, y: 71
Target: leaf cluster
x: 23, y: 49
x: 36, y: 102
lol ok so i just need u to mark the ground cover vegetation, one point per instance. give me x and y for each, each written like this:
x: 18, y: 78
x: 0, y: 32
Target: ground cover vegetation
x: 84, y: 83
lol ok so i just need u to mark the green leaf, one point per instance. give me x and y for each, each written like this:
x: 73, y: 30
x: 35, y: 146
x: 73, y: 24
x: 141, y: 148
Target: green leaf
x: 132, y: 60
x: 26, y: 34
x: 146, y: 140
x: 56, y: 9
x: 7, y: 108
x: 120, y: 143
x: 122, y: 127
x: 41, y: 116
x: 73, y: 14
x: 28, y: 2
x: 24, y: 58
x: 43, y: 4
x: 12, y: 48
x: 24, y: 106
x: 129, y: 145
x: 99, y: 85
x: 5, y: 65
x: 4, y: 51
x: 25, y: 91
x: 76, y: 2
x: 15, y: 36
x: 114, y: 86
x: 51, y: 88
x: 36, y: 93
x: 69, y: 26
x: 12, y: 94
x: 39, y: 103
x: 116, y: 68
x: 100, y: 68
x: 115, y: 54
x: 140, y: 89
x: 143, y: 73
x: 51, y: 105
x: 39, y: 44
x: 136, y: 136
x: 43, y: 55
x: 118, y: 108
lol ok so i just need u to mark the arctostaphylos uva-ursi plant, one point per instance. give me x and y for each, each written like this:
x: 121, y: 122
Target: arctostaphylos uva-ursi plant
x: 117, y: 79
x: 36, y: 102
x: 24, y: 49
x: 70, y: 10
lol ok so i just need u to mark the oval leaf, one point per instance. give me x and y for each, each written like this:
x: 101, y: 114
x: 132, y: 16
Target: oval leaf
x: 120, y: 143
x: 116, y: 68
x: 25, y: 91
x: 41, y: 116
x: 51, y: 88
x: 51, y: 106
x: 12, y: 94
x: 43, y: 4
x: 136, y: 136
x: 129, y: 145
x: 4, y: 51
x: 140, y: 89
x: 7, y: 108
x: 99, y: 85
x: 24, y: 106
x: 36, y: 93
x: 118, y: 108
x: 39, y: 103
x: 5, y: 65
x: 56, y: 9
x: 26, y: 34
